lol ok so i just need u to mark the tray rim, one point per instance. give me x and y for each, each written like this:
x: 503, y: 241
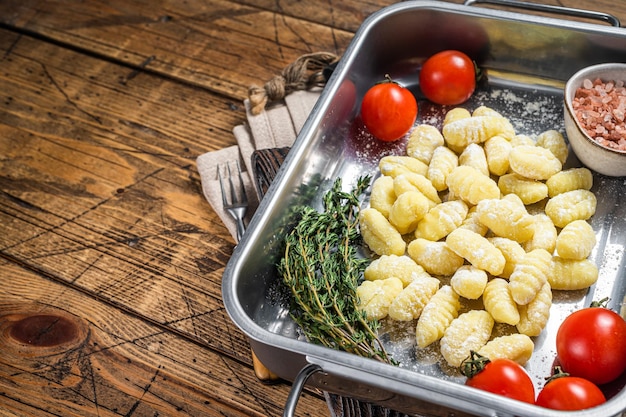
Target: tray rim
x: 334, y: 359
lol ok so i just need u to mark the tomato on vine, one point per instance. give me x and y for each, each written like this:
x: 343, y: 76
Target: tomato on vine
x: 500, y: 376
x: 448, y: 78
x: 565, y: 392
x: 591, y: 344
x: 388, y: 110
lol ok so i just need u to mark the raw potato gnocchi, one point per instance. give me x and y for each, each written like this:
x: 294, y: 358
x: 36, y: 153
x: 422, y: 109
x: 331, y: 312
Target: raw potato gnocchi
x: 408, y: 305
x: 571, y: 205
x: 388, y: 266
x: 529, y: 275
x: 435, y: 257
x: 481, y: 244
x: 383, y: 195
x: 571, y: 274
x: 576, y: 240
x: 534, y: 315
x: 375, y: 297
x: 477, y: 250
x: 471, y: 185
x: 393, y: 165
x: 569, y: 180
x: 516, y: 347
x: 379, y: 235
x: 441, y: 165
x: 499, y: 302
x: 441, y: 309
x: 469, y: 282
x: 528, y: 190
x: 534, y: 162
x: 407, y: 211
x: 469, y: 331
x: 423, y: 141
x: 476, y: 129
x: 441, y: 220
x: 506, y: 218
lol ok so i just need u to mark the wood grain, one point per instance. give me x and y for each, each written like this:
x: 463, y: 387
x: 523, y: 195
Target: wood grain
x: 116, y: 363
x: 104, y: 107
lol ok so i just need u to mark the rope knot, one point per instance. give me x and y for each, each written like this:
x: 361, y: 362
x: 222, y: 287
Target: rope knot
x: 303, y: 74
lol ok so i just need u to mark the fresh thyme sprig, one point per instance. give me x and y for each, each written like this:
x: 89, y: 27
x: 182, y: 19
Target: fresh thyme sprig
x: 321, y: 268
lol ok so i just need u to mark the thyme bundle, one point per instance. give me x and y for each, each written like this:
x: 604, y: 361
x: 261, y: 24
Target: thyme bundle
x: 321, y: 268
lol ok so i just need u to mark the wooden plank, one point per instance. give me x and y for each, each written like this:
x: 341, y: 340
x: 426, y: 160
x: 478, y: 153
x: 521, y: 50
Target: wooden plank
x: 99, y: 177
x: 94, y: 360
x: 223, y: 46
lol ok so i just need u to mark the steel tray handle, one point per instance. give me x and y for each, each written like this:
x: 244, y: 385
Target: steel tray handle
x: 568, y: 11
x: 296, y: 388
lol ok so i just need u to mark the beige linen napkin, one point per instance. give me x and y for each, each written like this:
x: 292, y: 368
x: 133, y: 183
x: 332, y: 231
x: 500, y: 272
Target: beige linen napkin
x: 275, y: 127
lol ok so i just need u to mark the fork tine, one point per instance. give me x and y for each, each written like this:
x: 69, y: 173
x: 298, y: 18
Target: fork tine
x: 244, y: 197
x: 219, y: 176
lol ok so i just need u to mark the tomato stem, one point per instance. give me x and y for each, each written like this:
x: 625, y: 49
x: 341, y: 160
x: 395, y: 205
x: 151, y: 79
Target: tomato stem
x: 557, y: 372
x: 602, y: 303
x: 473, y: 364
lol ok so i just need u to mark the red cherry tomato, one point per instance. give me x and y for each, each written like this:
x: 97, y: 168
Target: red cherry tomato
x: 388, y: 110
x: 500, y: 376
x: 591, y: 344
x: 570, y: 393
x: 448, y: 78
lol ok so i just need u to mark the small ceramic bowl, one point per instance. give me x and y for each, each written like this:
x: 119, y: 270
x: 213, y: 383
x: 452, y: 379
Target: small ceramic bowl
x: 595, y: 156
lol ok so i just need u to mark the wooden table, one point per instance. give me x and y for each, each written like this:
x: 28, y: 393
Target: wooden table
x: 110, y: 257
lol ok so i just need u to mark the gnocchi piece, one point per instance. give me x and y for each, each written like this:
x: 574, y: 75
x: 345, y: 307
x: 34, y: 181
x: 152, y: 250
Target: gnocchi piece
x: 407, y: 211
x: 499, y: 302
x: 534, y: 315
x: 423, y: 141
x: 455, y: 114
x: 383, y: 195
x: 388, y: 266
x: 472, y: 222
x: 477, y: 250
x: 438, y: 313
x: 471, y: 185
x: 529, y: 275
x: 572, y: 274
x: 512, y: 252
x: 576, y: 240
x: 468, y: 332
x: 379, y: 235
x: 528, y: 190
x: 554, y: 141
x: 520, y: 140
x: 443, y: 162
x: 441, y: 220
x: 571, y: 205
x: 474, y: 155
x: 569, y: 180
x: 544, y: 235
x: 394, y: 165
x: 462, y: 132
x: 435, y: 257
x: 497, y: 150
x: 506, y: 218
x: 516, y: 347
x: 485, y: 111
x: 416, y: 182
x: 469, y: 282
x: 408, y: 305
x: 534, y: 162
x: 375, y: 297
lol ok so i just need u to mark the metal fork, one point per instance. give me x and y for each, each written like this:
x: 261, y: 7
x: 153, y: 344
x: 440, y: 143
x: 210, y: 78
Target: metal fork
x: 237, y: 204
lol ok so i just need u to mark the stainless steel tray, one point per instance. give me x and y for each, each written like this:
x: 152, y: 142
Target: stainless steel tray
x: 528, y: 58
